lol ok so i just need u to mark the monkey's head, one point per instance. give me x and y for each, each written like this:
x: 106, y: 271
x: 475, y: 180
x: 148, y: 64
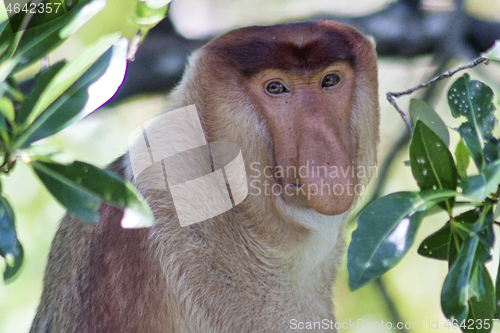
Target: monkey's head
x: 300, y: 100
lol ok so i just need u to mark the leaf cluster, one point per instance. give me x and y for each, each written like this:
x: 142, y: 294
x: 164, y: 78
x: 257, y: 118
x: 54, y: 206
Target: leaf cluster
x: 387, y: 227
x: 59, y: 98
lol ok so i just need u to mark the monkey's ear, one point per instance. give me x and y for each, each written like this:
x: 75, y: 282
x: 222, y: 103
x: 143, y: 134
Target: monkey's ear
x: 372, y: 40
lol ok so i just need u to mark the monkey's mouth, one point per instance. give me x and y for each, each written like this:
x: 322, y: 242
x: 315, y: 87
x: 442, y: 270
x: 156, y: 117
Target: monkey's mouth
x: 294, y: 185
x: 293, y: 192
x: 325, y: 195
x: 291, y: 186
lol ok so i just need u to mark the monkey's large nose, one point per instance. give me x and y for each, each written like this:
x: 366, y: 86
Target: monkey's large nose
x: 329, y: 188
x: 321, y: 175
x: 330, y: 178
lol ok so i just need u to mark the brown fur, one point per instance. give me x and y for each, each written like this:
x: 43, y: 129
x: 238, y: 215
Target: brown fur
x: 267, y: 261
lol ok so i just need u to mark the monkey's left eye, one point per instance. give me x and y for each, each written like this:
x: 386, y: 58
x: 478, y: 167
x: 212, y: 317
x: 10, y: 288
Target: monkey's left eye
x: 276, y: 87
x: 330, y: 80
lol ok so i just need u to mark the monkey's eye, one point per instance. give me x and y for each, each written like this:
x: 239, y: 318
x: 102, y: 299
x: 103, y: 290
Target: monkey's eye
x: 276, y: 87
x: 330, y: 80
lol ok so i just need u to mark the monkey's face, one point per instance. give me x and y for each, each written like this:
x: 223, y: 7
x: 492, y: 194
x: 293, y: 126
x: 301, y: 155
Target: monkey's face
x: 308, y: 116
x: 302, y: 101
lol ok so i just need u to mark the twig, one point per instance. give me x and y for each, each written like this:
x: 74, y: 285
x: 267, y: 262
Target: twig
x: 391, y: 95
x: 391, y: 307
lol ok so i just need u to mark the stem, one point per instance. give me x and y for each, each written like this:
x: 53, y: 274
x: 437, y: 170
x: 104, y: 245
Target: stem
x: 395, y: 317
x: 392, y: 95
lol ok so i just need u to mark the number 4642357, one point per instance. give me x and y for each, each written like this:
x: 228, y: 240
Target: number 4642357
x: 471, y: 323
x: 33, y: 8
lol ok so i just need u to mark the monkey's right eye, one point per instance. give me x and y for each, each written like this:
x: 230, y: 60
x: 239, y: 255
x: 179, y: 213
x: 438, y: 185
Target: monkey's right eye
x: 330, y: 80
x: 276, y: 87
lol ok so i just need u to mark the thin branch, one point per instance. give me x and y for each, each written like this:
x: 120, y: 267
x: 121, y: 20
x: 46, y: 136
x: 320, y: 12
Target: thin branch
x: 391, y: 95
x: 391, y: 306
x: 390, y: 98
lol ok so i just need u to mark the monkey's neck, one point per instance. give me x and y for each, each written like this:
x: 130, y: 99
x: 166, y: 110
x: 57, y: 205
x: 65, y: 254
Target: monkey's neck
x: 265, y: 243
x: 227, y: 263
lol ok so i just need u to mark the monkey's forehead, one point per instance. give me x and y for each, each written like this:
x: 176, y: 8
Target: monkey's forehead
x: 294, y: 47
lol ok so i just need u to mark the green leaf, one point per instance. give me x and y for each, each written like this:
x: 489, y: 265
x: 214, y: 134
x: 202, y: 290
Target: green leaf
x: 466, y: 218
x: 66, y: 186
x: 10, y: 248
x: 473, y: 144
x: 477, y: 281
x: 9, y: 42
x: 386, y: 230
x: 82, y: 17
x: 420, y: 110
x: 41, y: 82
x: 92, y: 185
x: 497, y: 212
x: 3, y: 25
x: 455, y: 292
x: 463, y: 159
x: 38, y: 41
x: 24, y: 19
x: 70, y: 73
x: 7, y: 108
x: 4, y: 130
x: 463, y: 230
x: 481, y: 186
x: 491, y: 150
x: 457, y: 289
x: 473, y: 100
x: 481, y: 307
x: 487, y: 237
x: 12, y: 90
x: 436, y: 245
x: 65, y: 109
x: 11, y: 270
x: 431, y: 162
x: 464, y: 224
x: 8, y: 237
x: 6, y: 68
x: 458, y: 224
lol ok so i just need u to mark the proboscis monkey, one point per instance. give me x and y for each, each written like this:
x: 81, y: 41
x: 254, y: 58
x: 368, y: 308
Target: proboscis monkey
x: 290, y: 96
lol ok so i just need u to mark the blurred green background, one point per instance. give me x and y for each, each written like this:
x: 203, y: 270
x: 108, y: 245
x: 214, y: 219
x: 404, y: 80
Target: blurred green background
x: 414, y: 284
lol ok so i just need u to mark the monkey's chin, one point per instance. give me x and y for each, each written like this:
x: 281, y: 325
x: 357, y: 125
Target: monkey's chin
x: 298, y: 195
